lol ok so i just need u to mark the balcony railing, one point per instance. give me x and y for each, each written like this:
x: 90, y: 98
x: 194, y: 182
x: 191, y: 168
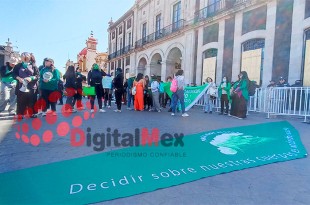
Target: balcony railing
x: 203, y: 14
x: 120, y: 52
x: 166, y: 31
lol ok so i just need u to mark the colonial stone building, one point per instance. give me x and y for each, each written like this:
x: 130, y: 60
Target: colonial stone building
x: 214, y: 38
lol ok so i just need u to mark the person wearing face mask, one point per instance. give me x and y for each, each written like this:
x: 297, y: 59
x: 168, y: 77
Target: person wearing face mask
x: 240, y: 96
x: 211, y: 96
x: 27, y: 74
x: 224, y: 95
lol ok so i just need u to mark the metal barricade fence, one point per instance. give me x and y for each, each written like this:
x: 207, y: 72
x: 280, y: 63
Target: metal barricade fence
x: 285, y: 101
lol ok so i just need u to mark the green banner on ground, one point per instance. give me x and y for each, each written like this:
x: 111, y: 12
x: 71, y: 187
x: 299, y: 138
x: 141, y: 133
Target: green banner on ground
x: 191, y: 94
x: 136, y: 170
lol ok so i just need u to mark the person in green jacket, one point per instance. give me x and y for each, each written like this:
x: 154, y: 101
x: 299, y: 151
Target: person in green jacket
x: 240, y: 96
x: 224, y: 95
x: 49, y: 77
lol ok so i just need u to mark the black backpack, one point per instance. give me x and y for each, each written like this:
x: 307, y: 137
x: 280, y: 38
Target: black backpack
x: 252, y: 87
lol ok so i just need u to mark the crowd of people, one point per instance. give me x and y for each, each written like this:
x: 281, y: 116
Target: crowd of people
x: 29, y: 90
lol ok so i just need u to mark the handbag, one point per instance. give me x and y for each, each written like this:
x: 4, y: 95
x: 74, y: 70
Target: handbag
x: 134, y: 90
x: 89, y: 91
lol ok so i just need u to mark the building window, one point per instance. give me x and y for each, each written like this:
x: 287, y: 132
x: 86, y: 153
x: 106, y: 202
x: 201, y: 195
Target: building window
x: 113, y: 35
x: 120, y: 30
x: 253, y: 58
x: 129, y: 24
x: 127, y: 61
x: 120, y: 44
x: 129, y: 39
x: 209, y: 64
x: 158, y: 25
x: 144, y: 32
x: 177, y: 14
x: 306, y: 66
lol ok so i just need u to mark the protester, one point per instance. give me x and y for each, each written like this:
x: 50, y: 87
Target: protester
x: 147, y: 94
x: 108, y: 95
x: 70, y: 88
x: 155, y: 93
x: 272, y: 83
x: 224, y: 95
x: 119, y: 89
x: 124, y: 96
x: 130, y: 97
x: 26, y: 73
x: 61, y: 91
x: 95, y: 80
x: 298, y: 83
x: 8, y: 86
x: 282, y: 83
x: 139, y: 85
x: 49, y: 78
x: 240, y: 96
x: 80, y: 78
x: 210, y: 95
x: 179, y: 94
x: 161, y: 93
x: 167, y: 98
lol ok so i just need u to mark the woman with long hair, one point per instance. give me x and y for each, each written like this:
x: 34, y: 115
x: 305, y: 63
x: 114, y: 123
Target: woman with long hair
x: 240, y: 96
x: 179, y: 94
x: 27, y: 75
x: 70, y: 88
x: 211, y: 95
x: 139, y: 84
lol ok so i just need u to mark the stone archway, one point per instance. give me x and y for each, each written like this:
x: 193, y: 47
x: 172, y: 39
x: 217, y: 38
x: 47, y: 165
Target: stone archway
x: 174, y: 61
x: 156, y: 64
x: 142, y: 65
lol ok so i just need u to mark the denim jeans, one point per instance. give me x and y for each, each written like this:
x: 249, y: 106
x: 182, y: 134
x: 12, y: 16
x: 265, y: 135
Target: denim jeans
x: 7, y: 97
x: 209, y: 104
x: 178, y: 96
x: 129, y: 98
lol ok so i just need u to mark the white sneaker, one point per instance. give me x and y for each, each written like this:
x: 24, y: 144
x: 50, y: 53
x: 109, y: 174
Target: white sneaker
x: 172, y: 114
x: 117, y: 111
x: 12, y: 112
x: 43, y: 114
x: 73, y: 110
x: 128, y: 108
x: 92, y: 110
x: 109, y: 106
x: 102, y: 110
x: 185, y: 115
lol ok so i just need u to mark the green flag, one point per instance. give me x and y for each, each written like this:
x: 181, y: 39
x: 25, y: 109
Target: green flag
x: 191, y: 94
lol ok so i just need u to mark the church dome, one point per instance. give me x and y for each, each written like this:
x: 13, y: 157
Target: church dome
x: 83, y: 52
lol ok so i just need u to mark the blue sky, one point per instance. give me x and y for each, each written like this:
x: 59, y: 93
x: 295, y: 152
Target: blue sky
x: 58, y: 28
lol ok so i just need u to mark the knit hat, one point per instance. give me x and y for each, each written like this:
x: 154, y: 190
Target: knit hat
x: 95, y: 67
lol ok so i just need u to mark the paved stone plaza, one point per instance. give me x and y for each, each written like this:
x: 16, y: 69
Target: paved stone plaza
x: 278, y: 183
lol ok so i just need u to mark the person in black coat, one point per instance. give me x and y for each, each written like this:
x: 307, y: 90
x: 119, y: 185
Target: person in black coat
x: 118, y: 84
x: 95, y: 80
x: 80, y: 78
x: 70, y: 88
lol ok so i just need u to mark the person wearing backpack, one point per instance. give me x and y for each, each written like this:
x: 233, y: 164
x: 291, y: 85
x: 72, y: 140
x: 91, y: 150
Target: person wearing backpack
x: 95, y: 80
x: 178, y: 95
x: 240, y: 96
x: 224, y: 95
